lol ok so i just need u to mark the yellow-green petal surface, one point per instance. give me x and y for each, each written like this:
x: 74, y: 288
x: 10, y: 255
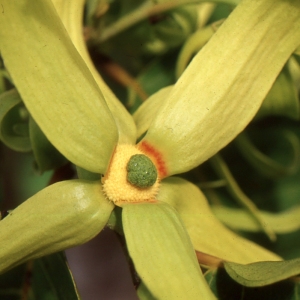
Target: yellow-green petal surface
x: 71, y: 13
x: 162, y: 252
x: 61, y: 216
x: 226, y: 82
x: 55, y: 83
x: 207, y: 233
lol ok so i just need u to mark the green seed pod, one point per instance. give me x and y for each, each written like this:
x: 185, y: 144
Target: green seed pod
x: 141, y: 172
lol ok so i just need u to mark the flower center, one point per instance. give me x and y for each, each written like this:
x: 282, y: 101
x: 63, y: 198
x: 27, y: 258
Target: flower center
x: 131, y: 177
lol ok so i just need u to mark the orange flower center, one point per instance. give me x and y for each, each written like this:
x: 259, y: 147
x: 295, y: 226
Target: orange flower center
x: 129, y: 178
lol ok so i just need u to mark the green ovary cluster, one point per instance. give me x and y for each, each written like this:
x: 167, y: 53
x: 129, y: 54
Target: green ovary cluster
x: 141, y: 172
x: 131, y: 177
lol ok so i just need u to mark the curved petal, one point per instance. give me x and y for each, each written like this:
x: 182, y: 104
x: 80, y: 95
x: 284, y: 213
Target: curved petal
x: 225, y: 84
x: 61, y: 216
x: 207, y: 233
x: 71, y: 13
x: 55, y: 83
x: 146, y: 113
x: 162, y: 252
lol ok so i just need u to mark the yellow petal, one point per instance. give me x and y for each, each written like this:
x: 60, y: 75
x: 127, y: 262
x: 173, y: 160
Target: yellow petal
x: 71, y: 13
x: 225, y: 84
x: 162, y: 252
x: 61, y: 216
x: 207, y: 233
x: 55, y: 83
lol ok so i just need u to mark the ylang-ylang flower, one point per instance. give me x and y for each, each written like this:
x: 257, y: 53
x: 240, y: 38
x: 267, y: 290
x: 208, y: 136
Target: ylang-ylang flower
x: 164, y: 218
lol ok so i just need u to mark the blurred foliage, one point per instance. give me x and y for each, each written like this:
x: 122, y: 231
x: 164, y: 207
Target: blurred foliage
x: 226, y: 288
x: 45, y: 278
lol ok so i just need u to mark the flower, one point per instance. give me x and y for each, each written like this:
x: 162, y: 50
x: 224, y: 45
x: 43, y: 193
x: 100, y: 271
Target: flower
x: 211, y: 103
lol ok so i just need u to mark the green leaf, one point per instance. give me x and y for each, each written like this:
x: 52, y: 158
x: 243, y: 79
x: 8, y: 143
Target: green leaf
x: 13, y: 126
x: 227, y: 289
x: 46, y: 156
x: 225, y: 84
x: 207, y: 233
x: 162, y: 252
x: 55, y: 83
x: 262, y: 273
x: 239, y: 219
x: 55, y: 271
x: 61, y: 216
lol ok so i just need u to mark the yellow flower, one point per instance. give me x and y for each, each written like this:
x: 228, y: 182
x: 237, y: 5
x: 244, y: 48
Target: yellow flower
x: 211, y: 103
